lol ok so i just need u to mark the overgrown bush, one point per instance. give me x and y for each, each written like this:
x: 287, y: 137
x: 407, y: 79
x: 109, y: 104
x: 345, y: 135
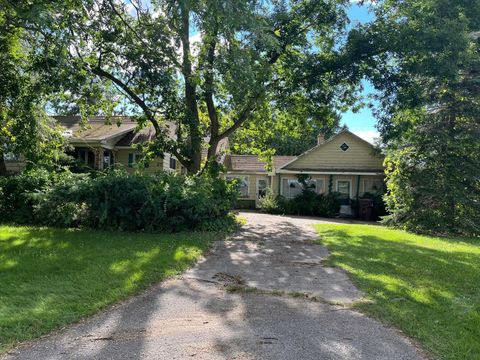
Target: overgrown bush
x: 270, y: 203
x: 16, y: 194
x: 307, y: 203
x: 117, y: 200
x: 379, y: 209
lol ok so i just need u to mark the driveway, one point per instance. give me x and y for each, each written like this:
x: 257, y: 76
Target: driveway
x: 262, y: 294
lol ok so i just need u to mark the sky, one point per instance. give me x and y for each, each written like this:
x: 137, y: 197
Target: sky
x: 363, y: 122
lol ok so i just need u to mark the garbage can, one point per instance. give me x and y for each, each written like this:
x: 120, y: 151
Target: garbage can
x: 365, y: 209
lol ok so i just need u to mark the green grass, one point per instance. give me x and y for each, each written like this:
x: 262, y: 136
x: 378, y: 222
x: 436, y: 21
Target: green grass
x: 51, y: 277
x: 429, y: 287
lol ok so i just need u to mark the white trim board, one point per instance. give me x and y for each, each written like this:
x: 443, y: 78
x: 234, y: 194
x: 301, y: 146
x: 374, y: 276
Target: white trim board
x: 329, y: 172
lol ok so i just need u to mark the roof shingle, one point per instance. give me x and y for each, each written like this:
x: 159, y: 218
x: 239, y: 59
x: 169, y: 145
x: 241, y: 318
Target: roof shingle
x: 251, y: 163
x: 97, y: 128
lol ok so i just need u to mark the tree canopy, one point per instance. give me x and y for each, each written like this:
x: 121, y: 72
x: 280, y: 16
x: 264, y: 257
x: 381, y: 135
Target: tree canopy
x: 430, y: 114
x: 211, y: 67
x: 23, y: 127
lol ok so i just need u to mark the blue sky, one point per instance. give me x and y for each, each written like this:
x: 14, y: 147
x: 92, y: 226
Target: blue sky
x: 363, y: 122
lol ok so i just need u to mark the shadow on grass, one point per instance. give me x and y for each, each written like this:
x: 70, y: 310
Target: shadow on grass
x: 50, y: 277
x: 429, y: 287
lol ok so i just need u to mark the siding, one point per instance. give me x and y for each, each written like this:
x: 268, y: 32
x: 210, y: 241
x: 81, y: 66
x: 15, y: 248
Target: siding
x: 121, y: 157
x: 252, y: 183
x: 329, y: 156
x: 275, y: 182
x: 15, y: 166
x: 166, y: 163
x: 326, y: 179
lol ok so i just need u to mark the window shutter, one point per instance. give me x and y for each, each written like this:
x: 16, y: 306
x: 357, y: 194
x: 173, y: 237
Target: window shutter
x: 130, y: 159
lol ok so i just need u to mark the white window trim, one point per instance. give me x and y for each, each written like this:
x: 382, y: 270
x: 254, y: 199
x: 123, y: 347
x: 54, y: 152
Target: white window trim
x: 281, y: 184
x: 247, y: 177
x: 324, y: 180
x: 350, y: 187
x: 294, y: 179
x: 374, y: 179
x: 134, y: 158
x: 258, y: 188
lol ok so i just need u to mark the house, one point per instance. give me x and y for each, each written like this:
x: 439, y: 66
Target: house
x: 101, y: 144
x: 345, y: 163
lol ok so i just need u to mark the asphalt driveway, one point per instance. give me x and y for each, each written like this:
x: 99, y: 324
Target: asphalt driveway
x: 262, y: 294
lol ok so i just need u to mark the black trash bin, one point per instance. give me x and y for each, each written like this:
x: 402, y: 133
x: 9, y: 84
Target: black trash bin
x: 365, y: 209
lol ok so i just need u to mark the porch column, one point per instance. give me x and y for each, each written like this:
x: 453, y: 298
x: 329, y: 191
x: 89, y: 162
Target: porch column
x: 99, y: 158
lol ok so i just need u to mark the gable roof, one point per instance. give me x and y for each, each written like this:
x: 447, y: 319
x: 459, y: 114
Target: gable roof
x: 96, y: 128
x: 251, y: 163
x: 326, y: 142
x: 120, y: 131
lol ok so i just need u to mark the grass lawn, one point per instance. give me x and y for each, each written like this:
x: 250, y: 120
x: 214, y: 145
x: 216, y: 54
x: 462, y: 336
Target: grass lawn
x: 51, y: 277
x: 427, y: 286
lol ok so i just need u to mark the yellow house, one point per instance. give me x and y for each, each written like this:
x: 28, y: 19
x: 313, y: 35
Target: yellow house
x: 345, y: 163
x: 101, y: 144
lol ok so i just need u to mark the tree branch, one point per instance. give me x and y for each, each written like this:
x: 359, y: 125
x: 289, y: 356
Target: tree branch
x: 148, y: 112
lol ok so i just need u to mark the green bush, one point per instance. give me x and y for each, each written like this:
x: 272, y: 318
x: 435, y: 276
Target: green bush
x: 307, y: 203
x: 328, y: 205
x: 270, y: 203
x: 16, y: 201
x: 117, y: 200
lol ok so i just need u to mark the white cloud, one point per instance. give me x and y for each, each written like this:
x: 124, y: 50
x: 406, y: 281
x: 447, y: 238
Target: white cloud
x: 369, y: 135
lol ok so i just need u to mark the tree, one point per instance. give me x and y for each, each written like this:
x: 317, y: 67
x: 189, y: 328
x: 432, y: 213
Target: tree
x: 23, y: 127
x: 289, y: 132
x: 430, y: 121
x: 209, y: 66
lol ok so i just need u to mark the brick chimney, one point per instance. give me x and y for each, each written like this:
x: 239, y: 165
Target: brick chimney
x: 320, y: 139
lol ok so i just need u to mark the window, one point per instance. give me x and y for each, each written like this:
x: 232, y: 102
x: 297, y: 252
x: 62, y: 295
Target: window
x: 11, y: 157
x: 320, y: 186
x: 132, y: 159
x: 373, y: 186
x: 242, y: 183
x: 107, y: 159
x: 293, y: 187
x: 262, y: 186
x: 173, y: 162
x: 86, y: 156
x: 343, y: 187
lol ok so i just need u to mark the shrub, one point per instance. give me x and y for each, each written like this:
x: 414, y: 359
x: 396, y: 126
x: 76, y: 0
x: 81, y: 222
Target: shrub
x: 16, y: 202
x: 328, y: 205
x: 61, y: 202
x: 304, y: 203
x: 307, y: 203
x: 270, y: 203
x: 120, y: 201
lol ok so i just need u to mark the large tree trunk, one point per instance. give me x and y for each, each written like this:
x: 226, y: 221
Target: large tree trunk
x: 3, y: 166
x: 192, y: 118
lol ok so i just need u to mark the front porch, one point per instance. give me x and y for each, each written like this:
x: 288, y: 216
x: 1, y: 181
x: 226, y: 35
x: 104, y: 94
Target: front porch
x: 97, y: 158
